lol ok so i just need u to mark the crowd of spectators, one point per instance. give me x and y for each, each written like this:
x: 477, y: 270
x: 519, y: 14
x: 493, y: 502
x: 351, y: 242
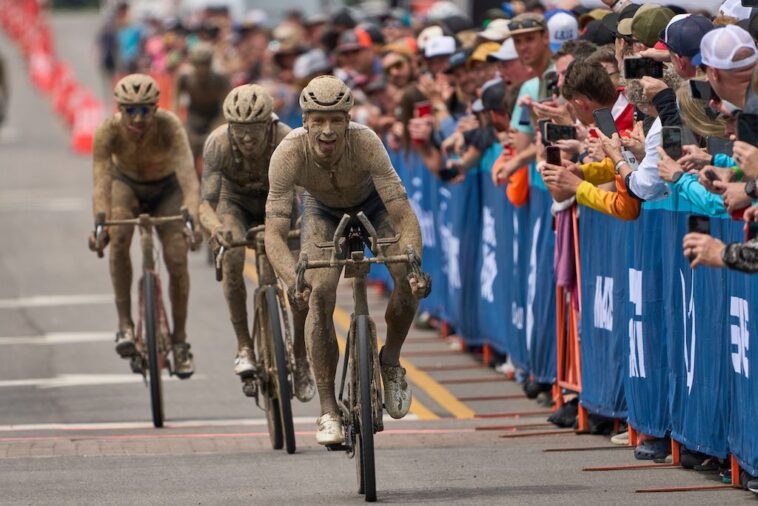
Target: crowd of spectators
x: 615, y: 107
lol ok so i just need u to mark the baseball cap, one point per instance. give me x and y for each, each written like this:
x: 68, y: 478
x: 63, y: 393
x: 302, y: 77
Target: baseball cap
x: 457, y: 23
x: 352, y: 40
x: 405, y: 46
x: 593, y: 15
x: 458, y: 59
x: 527, y: 22
x: 507, y: 52
x: 597, y: 33
x: 625, y: 22
x: 562, y: 26
x: 477, y: 106
x: 719, y: 46
x: 496, y: 31
x: 682, y: 36
x: 313, y: 62
x: 647, y: 25
x: 428, y: 33
x: 734, y: 8
x: 616, y: 25
x: 493, y: 95
x: 483, y: 50
x: 439, y: 46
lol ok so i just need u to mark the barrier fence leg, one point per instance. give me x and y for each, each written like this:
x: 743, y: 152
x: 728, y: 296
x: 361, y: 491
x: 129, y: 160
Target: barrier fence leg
x: 632, y: 436
x: 676, y: 452
x: 445, y: 329
x: 486, y: 355
x: 583, y: 425
x: 735, y: 471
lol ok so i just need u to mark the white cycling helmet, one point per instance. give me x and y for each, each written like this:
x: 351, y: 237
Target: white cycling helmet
x: 249, y: 103
x: 326, y: 93
x: 136, y: 89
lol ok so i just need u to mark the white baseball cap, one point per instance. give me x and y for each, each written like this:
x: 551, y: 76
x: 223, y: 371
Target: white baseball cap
x: 507, y: 52
x: 562, y: 27
x: 496, y: 31
x: 439, y: 46
x: 719, y: 46
x: 735, y: 9
x: 428, y: 33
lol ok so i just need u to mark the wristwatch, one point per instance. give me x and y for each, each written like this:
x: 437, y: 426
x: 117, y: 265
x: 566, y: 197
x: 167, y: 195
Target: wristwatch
x: 750, y: 189
x: 677, y: 176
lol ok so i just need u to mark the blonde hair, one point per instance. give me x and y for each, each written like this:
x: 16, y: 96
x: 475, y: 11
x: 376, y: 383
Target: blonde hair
x: 694, y: 116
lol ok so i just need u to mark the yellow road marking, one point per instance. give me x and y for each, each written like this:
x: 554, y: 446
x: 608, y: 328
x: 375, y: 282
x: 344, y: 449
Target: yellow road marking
x: 417, y: 407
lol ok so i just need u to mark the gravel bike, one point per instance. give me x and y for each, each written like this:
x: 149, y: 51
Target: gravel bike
x: 273, y: 383
x: 362, y: 407
x: 152, y: 336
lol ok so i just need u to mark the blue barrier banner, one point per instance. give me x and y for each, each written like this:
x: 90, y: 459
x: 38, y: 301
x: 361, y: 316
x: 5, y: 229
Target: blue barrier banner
x: 647, y: 378
x: 495, y: 259
x: 540, y: 293
x: 740, y: 344
x: 698, y: 386
x: 603, y: 329
x: 516, y: 337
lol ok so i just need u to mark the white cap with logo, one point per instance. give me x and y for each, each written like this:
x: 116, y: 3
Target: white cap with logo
x: 719, y: 47
x: 439, y: 46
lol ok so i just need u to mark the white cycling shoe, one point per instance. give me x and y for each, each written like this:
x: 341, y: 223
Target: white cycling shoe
x: 243, y: 364
x: 329, y: 429
x: 397, y: 391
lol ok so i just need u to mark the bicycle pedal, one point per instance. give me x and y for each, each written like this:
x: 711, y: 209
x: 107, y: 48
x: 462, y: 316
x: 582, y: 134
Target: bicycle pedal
x: 337, y: 448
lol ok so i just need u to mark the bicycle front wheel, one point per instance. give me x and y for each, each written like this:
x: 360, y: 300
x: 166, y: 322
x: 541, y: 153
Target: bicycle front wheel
x: 365, y: 433
x: 283, y: 391
x: 149, y: 298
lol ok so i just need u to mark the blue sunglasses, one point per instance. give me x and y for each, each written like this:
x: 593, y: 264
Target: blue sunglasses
x: 133, y: 110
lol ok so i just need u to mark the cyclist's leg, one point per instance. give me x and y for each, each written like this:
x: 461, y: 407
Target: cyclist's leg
x: 321, y: 339
x: 123, y: 206
x: 233, y: 283
x: 174, y: 248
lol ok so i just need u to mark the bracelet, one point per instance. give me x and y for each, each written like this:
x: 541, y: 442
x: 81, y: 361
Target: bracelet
x: 738, y: 173
x: 618, y: 166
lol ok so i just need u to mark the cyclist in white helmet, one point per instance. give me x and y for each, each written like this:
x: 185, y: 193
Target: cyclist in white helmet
x: 234, y: 190
x: 142, y: 163
x: 343, y: 168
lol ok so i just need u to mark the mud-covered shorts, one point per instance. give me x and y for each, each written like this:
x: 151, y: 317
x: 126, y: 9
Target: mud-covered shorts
x: 162, y: 197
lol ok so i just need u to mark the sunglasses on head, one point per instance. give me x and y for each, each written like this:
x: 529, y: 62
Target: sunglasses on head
x: 134, y: 110
x: 525, y: 24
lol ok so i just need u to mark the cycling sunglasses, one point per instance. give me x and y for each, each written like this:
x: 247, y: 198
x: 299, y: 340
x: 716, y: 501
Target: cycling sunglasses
x: 134, y: 110
x: 253, y: 129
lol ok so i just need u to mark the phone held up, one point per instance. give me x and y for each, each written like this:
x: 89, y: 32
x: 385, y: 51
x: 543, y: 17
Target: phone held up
x: 747, y: 128
x: 605, y: 122
x: 553, y: 155
x: 637, y: 67
x: 672, y: 141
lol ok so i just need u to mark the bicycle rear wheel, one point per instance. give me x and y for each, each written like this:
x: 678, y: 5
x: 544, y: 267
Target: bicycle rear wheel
x: 149, y: 298
x: 365, y: 433
x: 283, y: 391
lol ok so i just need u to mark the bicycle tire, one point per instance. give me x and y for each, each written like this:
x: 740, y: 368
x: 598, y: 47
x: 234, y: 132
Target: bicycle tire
x: 283, y: 391
x: 153, y: 359
x: 365, y: 446
x: 270, y: 404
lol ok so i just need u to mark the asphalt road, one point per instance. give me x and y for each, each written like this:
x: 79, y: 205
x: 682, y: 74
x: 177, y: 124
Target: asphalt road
x: 74, y: 422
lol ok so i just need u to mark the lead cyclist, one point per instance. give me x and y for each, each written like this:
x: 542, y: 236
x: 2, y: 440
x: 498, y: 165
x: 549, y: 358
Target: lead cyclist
x: 343, y: 168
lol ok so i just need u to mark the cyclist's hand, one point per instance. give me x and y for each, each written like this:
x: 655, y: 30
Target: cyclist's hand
x: 221, y: 236
x: 104, y: 240
x: 194, y: 238
x: 300, y: 299
x: 421, y: 284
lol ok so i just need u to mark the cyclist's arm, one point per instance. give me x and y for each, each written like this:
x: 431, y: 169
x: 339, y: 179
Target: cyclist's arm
x: 392, y: 193
x: 181, y: 156
x: 211, y: 187
x: 101, y: 170
x: 281, y: 176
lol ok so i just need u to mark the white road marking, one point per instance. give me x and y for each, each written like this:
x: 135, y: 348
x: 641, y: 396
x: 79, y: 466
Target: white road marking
x: 59, y: 338
x: 78, y: 380
x: 184, y: 424
x: 55, y: 300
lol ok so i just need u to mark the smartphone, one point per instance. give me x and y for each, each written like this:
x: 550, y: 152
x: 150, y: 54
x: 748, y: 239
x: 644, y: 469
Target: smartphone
x: 551, y: 85
x: 699, y: 224
x: 541, y: 127
x: 555, y: 132
x: 605, y: 122
x: 553, y: 155
x: 637, y: 67
x: 747, y: 128
x: 750, y: 3
x: 448, y: 174
x: 525, y: 119
x: 751, y: 231
x: 719, y: 145
x: 422, y: 109
x: 672, y: 141
x: 701, y: 90
x: 710, y: 175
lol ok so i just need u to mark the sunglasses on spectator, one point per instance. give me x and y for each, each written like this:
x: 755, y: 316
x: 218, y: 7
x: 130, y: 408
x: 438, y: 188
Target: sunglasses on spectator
x: 394, y: 66
x: 525, y: 24
x: 134, y: 110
